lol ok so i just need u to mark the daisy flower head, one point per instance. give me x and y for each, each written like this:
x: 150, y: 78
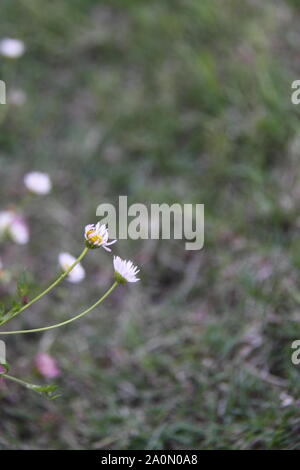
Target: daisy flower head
x: 38, y: 182
x: 96, y: 235
x: 12, y: 48
x: 77, y: 274
x: 125, y: 271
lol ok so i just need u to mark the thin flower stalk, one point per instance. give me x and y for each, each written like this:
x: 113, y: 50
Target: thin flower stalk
x: 48, y: 391
x: 70, y: 320
x: 10, y: 315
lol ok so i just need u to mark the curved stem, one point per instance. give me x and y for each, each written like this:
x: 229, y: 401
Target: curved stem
x: 46, y: 390
x: 44, y: 292
x: 57, y: 325
x: 14, y: 379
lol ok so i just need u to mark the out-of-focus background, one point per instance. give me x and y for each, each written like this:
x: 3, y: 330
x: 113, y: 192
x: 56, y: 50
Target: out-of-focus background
x: 178, y: 101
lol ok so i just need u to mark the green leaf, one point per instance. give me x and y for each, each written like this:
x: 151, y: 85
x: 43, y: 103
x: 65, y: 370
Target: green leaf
x: 15, y: 306
x: 6, y: 317
x: 2, y: 310
x: 46, y: 390
x: 23, y: 285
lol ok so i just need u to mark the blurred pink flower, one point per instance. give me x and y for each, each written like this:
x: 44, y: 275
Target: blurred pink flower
x: 47, y: 366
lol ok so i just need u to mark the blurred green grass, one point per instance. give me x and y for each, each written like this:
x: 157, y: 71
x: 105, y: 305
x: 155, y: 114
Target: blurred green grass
x: 180, y: 101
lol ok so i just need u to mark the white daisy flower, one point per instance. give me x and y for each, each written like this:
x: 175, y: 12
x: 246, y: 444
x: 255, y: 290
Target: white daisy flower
x: 12, y: 48
x: 37, y: 182
x: 15, y: 226
x: 77, y: 274
x: 125, y: 271
x: 96, y: 236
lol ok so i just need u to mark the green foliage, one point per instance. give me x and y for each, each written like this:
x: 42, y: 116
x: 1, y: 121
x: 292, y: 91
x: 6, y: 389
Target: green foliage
x: 2, y: 310
x: 23, y: 285
x: 47, y: 391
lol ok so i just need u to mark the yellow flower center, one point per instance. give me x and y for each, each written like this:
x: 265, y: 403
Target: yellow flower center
x: 93, y: 237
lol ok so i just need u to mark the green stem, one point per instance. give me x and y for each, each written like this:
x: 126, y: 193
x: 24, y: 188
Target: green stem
x: 54, y: 284
x: 57, y: 325
x: 45, y: 390
x: 14, y: 379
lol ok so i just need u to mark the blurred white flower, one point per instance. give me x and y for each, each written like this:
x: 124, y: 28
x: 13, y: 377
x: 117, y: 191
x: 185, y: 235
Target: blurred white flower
x: 15, y: 226
x: 66, y: 260
x: 125, y: 271
x: 12, y: 48
x: 37, y: 182
x: 97, y: 235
